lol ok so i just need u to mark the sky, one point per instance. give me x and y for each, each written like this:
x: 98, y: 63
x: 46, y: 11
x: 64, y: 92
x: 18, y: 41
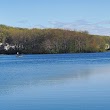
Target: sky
x: 81, y: 15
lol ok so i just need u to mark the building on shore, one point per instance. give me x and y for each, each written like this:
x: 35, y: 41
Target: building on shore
x: 6, y: 46
x: 107, y: 47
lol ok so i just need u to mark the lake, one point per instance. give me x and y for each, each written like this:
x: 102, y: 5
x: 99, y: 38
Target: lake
x: 55, y: 82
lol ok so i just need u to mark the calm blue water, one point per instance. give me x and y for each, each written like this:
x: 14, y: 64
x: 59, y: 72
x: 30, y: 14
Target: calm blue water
x: 55, y: 82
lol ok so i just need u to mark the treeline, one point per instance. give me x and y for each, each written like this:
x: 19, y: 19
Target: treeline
x: 34, y: 41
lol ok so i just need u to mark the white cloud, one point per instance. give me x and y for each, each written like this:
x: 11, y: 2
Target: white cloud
x: 39, y: 26
x: 100, y: 28
x: 23, y: 21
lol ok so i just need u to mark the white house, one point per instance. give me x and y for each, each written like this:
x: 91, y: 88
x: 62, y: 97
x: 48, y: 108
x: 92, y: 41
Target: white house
x: 7, y: 46
x: 1, y: 44
x: 107, y: 46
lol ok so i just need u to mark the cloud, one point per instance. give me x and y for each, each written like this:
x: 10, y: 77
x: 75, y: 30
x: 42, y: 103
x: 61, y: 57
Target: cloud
x: 103, y: 22
x: 99, y: 28
x: 23, y: 21
x: 39, y: 26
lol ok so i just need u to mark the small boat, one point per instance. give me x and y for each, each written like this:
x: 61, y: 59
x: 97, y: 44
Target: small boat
x: 18, y: 54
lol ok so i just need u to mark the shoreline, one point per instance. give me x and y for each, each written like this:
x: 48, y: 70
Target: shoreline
x: 55, y: 53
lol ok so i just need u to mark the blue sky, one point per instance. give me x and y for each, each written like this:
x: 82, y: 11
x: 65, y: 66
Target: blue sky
x: 91, y: 15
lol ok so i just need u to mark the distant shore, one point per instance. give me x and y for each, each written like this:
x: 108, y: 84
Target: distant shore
x: 50, y: 41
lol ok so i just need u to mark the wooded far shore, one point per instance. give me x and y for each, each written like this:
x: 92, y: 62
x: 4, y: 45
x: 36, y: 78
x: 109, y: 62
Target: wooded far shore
x: 43, y: 41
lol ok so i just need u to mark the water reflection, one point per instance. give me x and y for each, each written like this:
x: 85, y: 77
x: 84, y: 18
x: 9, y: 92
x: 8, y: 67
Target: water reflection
x: 9, y: 83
